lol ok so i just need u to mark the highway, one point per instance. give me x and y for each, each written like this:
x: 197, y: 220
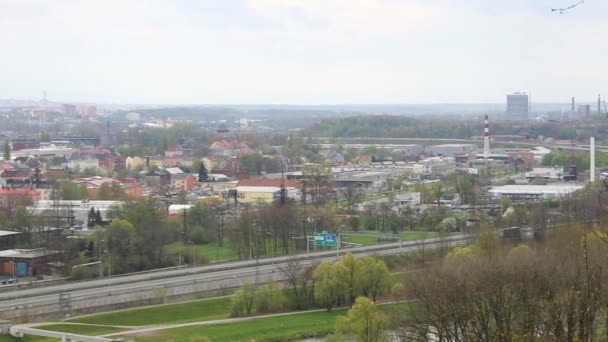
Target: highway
x: 260, y: 269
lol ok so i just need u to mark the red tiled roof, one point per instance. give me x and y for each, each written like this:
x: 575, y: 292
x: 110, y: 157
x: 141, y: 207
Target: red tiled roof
x: 269, y: 183
x: 95, y: 182
x: 175, y: 148
x: 19, y: 192
x: 228, y: 144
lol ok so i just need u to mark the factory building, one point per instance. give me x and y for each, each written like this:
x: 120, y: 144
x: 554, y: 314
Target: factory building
x: 449, y: 150
x: 531, y: 192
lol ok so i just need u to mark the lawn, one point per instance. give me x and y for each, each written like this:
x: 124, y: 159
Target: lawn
x: 201, y: 310
x: 417, y: 235
x: 6, y: 338
x: 67, y: 328
x: 210, y: 252
x: 360, y: 240
x: 281, y: 328
x: 91, y: 330
x: 371, y: 240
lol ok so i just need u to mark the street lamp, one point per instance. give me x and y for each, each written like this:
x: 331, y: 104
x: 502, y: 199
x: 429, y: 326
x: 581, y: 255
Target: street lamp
x: 99, y: 258
x: 109, y: 266
x: 194, y: 251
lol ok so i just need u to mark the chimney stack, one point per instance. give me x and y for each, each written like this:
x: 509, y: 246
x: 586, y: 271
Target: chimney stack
x: 486, y: 138
x: 573, y: 109
x: 592, y: 159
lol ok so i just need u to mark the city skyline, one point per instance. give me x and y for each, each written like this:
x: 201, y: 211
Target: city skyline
x: 300, y: 52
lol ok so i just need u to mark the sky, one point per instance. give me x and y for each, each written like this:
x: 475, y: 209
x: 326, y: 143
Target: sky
x: 302, y: 51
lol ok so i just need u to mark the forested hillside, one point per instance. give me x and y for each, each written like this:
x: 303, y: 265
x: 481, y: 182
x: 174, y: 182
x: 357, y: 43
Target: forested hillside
x: 392, y: 126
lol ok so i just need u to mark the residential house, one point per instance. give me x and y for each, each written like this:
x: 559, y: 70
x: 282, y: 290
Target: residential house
x: 224, y: 148
x: 175, y: 151
x: 135, y: 162
x: 12, y: 197
x: 183, y: 181
x: 94, y: 185
x: 157, y: 178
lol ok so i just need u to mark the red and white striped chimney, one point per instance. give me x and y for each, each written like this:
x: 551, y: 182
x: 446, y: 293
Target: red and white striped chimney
x: 486, y: 138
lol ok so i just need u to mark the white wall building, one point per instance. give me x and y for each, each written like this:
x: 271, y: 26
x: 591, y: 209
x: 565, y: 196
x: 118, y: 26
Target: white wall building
x: 528, y: 192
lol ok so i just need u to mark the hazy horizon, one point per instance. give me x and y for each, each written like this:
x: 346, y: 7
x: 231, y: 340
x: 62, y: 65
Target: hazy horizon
x: 301, y: 52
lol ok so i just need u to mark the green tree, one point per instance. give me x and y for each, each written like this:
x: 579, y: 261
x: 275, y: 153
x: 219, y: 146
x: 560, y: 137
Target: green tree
x: 330, y: 283
x: 465, y: 188
x: 120, y: 239
x: 269, y: 298
x: 251, y: 163
x: 243, y: 301
x: 437, y: 191
x: 72, y: 191
x: 45, y: 137
x: 374, y: 278
x: 98, y: 218
x: 202, y: 173
x: 7, y: 150
x: 353, y: 266
x: 364, y: 321
x: 91, y: 218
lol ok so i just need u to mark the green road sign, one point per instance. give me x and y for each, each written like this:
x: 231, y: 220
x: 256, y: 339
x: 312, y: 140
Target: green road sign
x: 325, y: 239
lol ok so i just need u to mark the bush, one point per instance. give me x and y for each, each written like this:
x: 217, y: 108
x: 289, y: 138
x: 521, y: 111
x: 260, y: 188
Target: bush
x: 270, y: 298
x: 199, y: 236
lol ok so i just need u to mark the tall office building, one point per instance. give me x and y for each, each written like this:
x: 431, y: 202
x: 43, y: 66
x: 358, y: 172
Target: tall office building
x: 517, y: 106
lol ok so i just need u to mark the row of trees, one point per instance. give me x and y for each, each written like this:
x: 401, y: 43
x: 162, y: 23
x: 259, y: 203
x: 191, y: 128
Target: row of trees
x: 490, y: 292
x: 327, y: 285
x: 395, y: 126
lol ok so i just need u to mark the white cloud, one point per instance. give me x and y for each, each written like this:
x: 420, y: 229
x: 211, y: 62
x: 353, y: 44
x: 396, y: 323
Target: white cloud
x: 354, y: 16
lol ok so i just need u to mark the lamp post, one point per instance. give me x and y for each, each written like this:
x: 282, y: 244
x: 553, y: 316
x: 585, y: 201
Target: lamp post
x: 99, y: 258
x: 14, y: 276
x: 109, y: 266
x: 179, y: 249
x: 194, y: 251
x: 251, y: 226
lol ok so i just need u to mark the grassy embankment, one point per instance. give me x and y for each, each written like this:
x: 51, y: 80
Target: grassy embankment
x: 200, y: 310
x: 406, y: 236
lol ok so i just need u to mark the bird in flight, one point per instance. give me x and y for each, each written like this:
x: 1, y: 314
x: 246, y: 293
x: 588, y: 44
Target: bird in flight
x: 564, y: 9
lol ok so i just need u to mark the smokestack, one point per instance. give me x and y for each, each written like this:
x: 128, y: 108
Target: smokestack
x: 599, y: 106
x: 573, y: 109
x: 592, y: 159
x: 486, y: 138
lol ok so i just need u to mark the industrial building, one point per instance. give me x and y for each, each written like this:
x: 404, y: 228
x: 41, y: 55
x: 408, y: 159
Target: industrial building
x: 517, y: 106
x: 530, y: 192
x: 75, y: 212
x: 18, y: 263
x: 449, y: 149
x: 548, y: 173
x: 265, y: 194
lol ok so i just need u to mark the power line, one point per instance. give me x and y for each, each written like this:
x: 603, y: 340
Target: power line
x: 564, y: 9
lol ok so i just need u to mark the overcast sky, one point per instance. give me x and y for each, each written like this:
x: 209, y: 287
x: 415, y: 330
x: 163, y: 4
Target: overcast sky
x: 302, y: 51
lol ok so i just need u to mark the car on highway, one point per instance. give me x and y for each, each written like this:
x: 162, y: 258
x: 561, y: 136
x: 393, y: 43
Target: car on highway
x: 10, y: 281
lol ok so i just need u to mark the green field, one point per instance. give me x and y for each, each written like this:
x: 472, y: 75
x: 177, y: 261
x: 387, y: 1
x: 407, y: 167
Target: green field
x: 275, y: 328
x: 4, y: 338
x: 281, y: 328
x: 360, y: 240
x: 371, y: 240
x: 67, y: 328
x: 201, y: 310
x: 91, y: 330
x: 210, y: 252
x: 417, y: 235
